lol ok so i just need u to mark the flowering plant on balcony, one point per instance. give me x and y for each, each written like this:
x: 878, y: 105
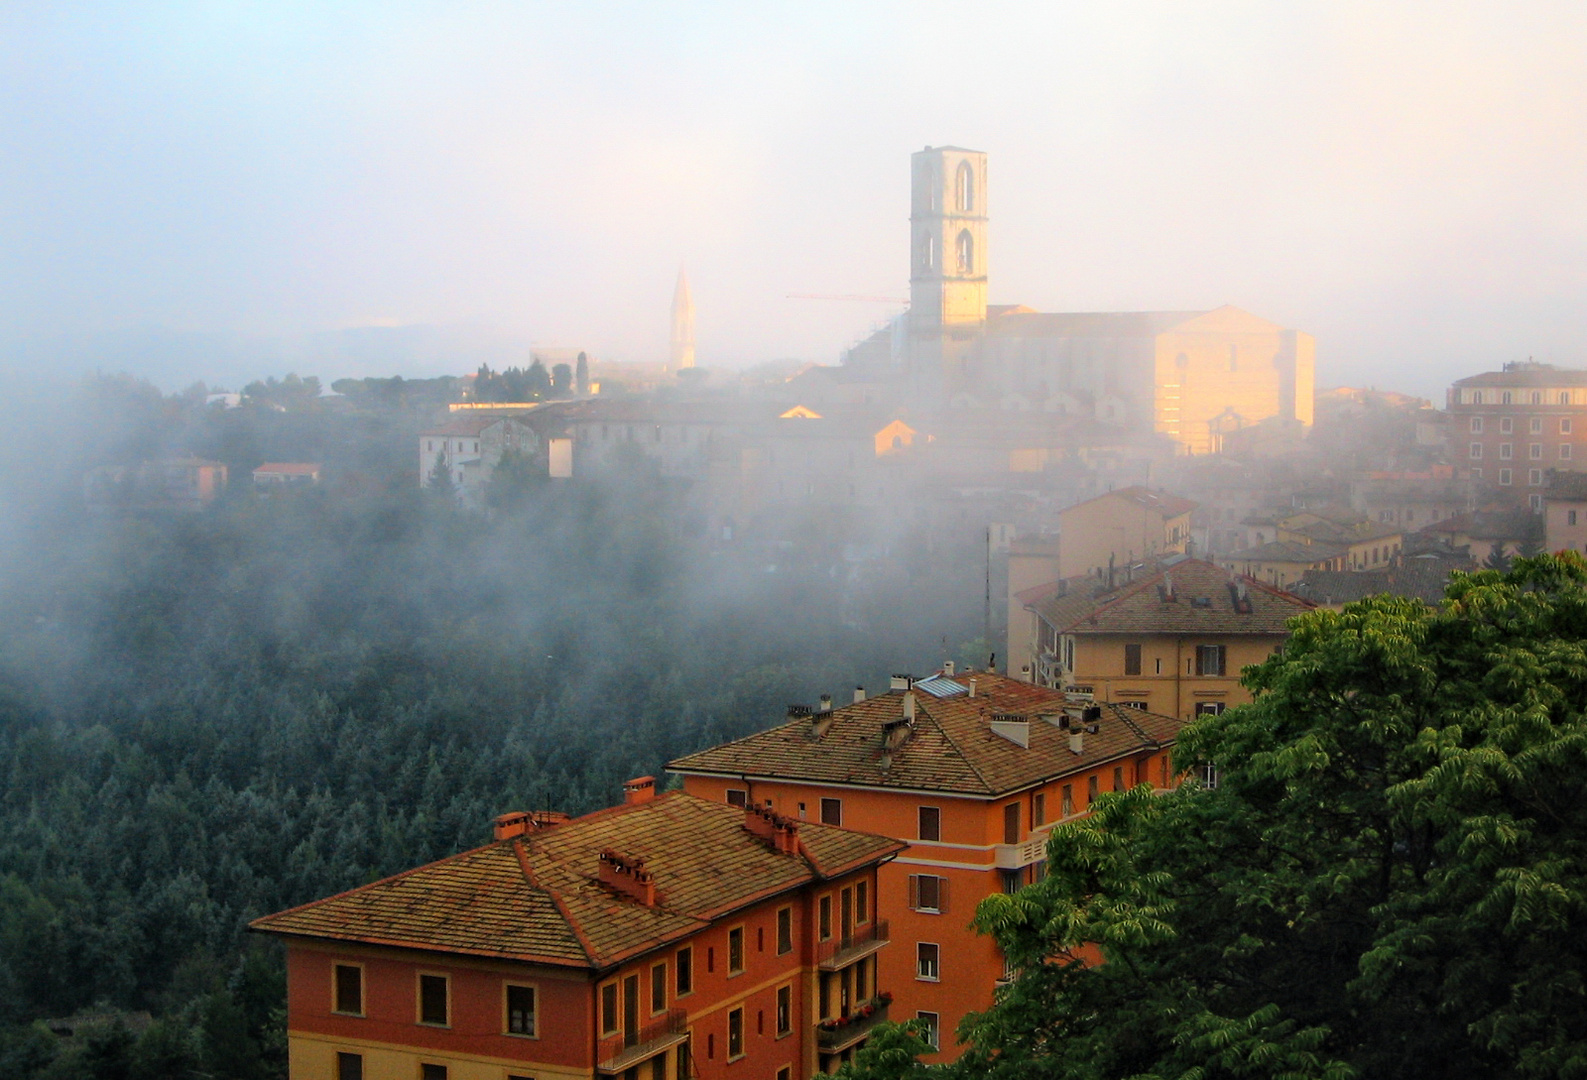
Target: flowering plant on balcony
x: 864, y: 1010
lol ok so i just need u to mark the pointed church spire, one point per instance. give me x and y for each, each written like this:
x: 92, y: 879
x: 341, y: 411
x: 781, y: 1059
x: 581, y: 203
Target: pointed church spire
x: 682, y: 325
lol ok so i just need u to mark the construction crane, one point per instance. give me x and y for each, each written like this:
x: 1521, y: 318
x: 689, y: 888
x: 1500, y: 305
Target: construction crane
x: 861, y: 299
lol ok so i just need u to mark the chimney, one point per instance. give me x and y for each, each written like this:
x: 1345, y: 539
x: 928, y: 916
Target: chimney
x: 900, y: 682
x: 640, y: 789
x: 909, y: 706
x: 779, y: 832
x: 972, y: 686
x: 826, y: 704
x: 1015, y: 727
x: 1077, y: 740
x: 859, y: 694
x: 798, y: 712
x: 627, y: 875
x: 513, y: 824
x: 947, y: 668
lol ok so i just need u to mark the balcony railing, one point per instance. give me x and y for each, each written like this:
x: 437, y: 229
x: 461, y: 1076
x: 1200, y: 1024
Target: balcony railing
x: 840, y: 952
x: 834, y: 1036
x: 621, y: 1051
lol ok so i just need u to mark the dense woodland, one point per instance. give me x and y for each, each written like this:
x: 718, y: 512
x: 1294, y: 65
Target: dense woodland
x: 208, y: 716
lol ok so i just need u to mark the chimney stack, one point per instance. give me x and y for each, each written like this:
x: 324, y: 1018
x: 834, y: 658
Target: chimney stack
x: 1077, y: 741
x: 859, y: 694
x: 909, y: 706
x: 639, y: 790
x: 947, y: 668
x: 513, y: 824
x: 826, y: 704
x: 900, y: 682
x: 781, y: 833
x: 972, y: 686
x: 627, y: 875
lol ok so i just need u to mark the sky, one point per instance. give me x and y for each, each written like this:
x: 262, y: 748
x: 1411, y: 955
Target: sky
x: 224, y: 191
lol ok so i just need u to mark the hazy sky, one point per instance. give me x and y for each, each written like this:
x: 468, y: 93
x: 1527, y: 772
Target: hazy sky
x: 1406, y: 181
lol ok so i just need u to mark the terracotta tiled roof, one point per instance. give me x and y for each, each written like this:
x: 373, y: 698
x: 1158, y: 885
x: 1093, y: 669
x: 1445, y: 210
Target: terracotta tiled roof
x: 537, y: 898
x: 1286, y: 551
x: 1203, y: 603
x: 951, y: 748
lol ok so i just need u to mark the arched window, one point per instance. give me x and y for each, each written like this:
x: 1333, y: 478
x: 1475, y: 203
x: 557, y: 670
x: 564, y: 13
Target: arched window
x: 964, y: 187
x: 1506, y: 398
x: 928, y: 251
x: 966, y: 250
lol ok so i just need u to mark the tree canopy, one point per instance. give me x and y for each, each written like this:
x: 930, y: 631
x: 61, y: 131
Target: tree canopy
x: 1382, y: 872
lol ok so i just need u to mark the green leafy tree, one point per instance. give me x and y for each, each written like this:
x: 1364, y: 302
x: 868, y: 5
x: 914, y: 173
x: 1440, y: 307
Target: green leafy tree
x: 1389, y: 877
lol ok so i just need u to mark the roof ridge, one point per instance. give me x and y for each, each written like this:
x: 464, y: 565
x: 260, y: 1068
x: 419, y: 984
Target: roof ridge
x: 556, y: 899
x: 951, y: 741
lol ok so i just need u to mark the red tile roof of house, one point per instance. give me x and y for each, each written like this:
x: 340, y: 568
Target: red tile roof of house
x: 537, y: 897
x: 950, y: 748
x: 1189, y: 597
x: 288, y: 468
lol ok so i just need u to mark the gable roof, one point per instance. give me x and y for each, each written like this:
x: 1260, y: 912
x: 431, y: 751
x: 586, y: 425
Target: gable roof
x: 1145, y: 606
x: 536, y: 898
x: 950, y: 748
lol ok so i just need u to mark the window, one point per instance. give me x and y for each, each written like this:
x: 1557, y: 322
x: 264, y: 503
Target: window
x: 926, y: 962
x: 928, y: 893
x: 1068, y: 806
x: 824, y: 916
x: 1476, y: 451
x: 784, y: 1014
x: 1564, y: 451
x: 520, y: 1010
x: 658, y: 988
x: 1141, y: 705
x: 1506, y: 425
x: 1506, y: 397
x: 928, y: 251
x: 737, y: 797
x: 784, y: 931
x: 1564, y: 425
x: 1011, y: 823
x: 710, y: 958
x: 1570, y: 517
x: 1210, y: 659
x: 432, y: 999
x: 1118, y: 778
x: 1535, y: 451
x: 832, y: 811
x: 862, y: 902
x: 735, y: 951
x: 1209, y: 708
x: 1038, y: 809
x: 1534, y: 477
x: 683, y: 969
x: 349, y: 1067
x: 735, y: 1034
x: 965, y: 252
x: 1504, y: 477
x: 785, y: 1073
x: 928, y: 1024
x: 608, y: 1008
x: 1537, y: 397
x: 1535, y: 425
x: 1012, y: 880
x: 428, y: 1071
x: 965, y: 187
x: 1564, y: 398
x: 1091, y: 790
x: 1535, y: 502
x: 930, y: 823
x: 1208, y: 776
x: 1132, y: 658
x: 1476, y: 425
x: 350, y: 989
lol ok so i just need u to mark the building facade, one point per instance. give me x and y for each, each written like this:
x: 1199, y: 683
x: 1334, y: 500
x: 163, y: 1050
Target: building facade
x: 973, y: 770
x: 1510, y: 427
x: 1172, y: 642
x: 660, y: 939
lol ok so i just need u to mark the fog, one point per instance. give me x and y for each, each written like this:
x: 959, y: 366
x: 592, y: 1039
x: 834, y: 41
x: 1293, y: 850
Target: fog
x: 196, y: 191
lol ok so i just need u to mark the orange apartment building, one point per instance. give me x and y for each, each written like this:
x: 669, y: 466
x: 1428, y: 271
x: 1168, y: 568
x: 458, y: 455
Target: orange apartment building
x: 1173, y: 642
x: 973, y: 770
x: 659, y: 939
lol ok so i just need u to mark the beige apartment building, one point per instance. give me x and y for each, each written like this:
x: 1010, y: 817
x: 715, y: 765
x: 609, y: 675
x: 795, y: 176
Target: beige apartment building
x: 1172, y: 643
x: 1132, y: 524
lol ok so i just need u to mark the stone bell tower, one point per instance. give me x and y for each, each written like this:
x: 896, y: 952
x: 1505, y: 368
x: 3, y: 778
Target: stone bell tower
x: 947, y: 276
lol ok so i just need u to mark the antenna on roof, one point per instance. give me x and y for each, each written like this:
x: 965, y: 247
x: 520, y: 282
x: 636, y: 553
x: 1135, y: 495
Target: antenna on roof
x: 991, y: 662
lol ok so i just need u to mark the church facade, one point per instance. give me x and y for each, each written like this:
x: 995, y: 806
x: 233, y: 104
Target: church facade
x: 1192, y: 376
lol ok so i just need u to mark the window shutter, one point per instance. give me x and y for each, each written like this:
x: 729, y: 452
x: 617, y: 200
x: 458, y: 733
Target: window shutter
x: 942, y: 895
x: 914, y: 891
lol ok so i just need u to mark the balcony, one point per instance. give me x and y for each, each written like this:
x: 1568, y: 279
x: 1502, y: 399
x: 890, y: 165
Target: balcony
x: 840, y: 952
x: 846, y: 1031
x: 1019, y: 856
x: 623, y: 1051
